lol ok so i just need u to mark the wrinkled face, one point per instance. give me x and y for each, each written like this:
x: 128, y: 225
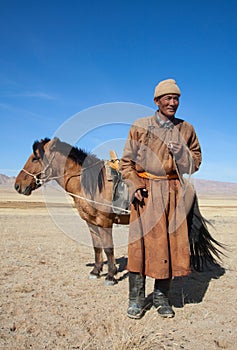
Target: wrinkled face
x: 168, y: 104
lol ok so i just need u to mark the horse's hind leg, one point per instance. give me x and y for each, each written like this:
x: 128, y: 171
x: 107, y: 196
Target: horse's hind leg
x: 97, y: 244
x: 107, y: 239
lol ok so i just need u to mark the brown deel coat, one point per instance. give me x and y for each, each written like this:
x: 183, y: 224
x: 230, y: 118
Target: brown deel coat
x: 158, y: 233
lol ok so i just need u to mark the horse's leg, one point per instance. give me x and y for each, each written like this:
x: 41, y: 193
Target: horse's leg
x: 107, y: 241
x: 97, y: 244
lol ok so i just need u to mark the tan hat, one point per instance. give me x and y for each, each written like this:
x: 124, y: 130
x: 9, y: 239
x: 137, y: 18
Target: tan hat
x: 165, y: 87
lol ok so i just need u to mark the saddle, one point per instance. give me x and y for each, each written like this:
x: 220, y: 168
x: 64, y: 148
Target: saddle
x: 120, y: 197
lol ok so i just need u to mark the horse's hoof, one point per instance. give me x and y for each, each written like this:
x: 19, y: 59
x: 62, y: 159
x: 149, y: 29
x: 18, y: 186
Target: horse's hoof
x: 110, y: 282
x: 93, y: 277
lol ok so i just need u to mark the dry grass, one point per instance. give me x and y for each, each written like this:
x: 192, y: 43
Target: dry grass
x: 48, y: 302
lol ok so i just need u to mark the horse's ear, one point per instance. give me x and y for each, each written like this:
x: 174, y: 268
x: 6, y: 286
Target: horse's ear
x: 53, y: 144
x: 35, y: 147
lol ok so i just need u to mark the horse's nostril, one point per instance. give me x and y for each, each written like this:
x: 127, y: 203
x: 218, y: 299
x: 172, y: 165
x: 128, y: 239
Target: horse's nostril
x: 17, y: 187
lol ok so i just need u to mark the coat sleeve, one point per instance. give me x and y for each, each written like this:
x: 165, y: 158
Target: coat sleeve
x: 128, y: 163
x: 189, y: 160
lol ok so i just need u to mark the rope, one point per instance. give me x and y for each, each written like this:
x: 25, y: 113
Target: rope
x: 95, y: 202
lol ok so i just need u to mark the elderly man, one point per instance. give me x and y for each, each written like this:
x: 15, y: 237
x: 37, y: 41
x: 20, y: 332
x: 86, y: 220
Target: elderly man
x: 158, y: 151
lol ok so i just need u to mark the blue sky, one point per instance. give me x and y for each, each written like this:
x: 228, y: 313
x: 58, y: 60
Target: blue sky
x: 59, y: 58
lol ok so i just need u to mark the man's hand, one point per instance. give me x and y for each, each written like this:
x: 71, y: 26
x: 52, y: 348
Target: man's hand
x: 175, y: 148
x: 140, y: 194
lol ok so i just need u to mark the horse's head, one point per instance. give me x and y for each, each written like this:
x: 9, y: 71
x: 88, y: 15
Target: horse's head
x: 37, y: 169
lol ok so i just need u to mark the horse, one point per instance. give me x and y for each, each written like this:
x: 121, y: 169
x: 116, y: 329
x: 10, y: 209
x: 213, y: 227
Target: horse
x: 85, y: 177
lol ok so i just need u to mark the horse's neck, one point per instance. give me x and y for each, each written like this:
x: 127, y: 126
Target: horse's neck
x: 67, y: 174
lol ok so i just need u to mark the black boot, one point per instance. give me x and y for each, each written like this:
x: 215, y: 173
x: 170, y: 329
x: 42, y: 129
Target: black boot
x: 136, y: 295
x: 160, y: 298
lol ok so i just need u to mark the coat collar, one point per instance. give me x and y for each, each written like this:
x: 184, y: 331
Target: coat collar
x: 169, y: 124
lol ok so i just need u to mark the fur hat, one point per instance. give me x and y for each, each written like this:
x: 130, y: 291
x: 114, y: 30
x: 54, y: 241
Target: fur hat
x: 165, y: 87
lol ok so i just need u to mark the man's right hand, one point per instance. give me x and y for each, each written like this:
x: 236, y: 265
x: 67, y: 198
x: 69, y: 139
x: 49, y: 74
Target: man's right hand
x: 140, y: 194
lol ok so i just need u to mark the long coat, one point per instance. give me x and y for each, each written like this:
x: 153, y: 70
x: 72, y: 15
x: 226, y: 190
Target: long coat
x: 158, y: 232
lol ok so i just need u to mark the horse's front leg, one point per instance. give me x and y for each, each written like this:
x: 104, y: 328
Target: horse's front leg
x: 107, y: 241
x: 97, y: 245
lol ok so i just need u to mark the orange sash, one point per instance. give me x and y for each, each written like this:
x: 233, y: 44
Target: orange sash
x: 150, y: 176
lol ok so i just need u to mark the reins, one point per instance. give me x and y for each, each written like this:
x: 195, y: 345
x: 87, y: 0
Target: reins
x: 95, y: 202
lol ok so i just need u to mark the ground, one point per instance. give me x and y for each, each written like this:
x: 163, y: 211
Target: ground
x: 48, y: 302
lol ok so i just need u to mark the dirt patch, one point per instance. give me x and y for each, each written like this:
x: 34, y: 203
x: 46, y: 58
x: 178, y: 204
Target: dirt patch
x: 30, y: 205
x: 48, y: 302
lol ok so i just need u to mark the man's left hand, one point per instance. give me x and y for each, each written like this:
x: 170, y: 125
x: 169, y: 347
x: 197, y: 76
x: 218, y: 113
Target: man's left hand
x: 175, y: 148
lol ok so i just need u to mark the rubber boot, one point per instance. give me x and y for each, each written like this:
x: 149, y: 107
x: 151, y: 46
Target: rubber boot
x: 160, y: 298
x: 136, y: 295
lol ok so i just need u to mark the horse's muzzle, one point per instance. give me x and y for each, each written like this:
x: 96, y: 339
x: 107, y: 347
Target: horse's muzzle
x: 26, y: 190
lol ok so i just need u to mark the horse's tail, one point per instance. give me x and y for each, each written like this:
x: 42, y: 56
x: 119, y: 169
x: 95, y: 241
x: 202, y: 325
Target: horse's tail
x: 203, y: 247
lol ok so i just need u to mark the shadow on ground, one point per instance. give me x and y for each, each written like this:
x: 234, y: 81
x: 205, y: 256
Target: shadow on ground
x: 184, y: 290
x: 192, y: 289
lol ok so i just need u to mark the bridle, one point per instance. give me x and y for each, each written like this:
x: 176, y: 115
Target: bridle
x: 42, y: 177
x: 42, y: 180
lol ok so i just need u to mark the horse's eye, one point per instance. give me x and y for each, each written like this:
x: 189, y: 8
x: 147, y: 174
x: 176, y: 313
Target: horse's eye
x: 35, y: 159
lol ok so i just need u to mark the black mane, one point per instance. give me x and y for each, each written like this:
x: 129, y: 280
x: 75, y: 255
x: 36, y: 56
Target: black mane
x: 39, y: 145
x: 92, y: 167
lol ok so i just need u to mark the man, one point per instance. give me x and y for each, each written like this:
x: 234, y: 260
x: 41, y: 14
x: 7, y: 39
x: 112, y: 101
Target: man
x: 158, y: 151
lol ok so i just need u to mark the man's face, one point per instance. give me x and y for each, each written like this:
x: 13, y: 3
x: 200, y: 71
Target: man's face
x: 168, y: 104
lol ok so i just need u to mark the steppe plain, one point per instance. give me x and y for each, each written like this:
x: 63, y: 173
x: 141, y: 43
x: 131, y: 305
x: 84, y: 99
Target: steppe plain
x: 48, y: 302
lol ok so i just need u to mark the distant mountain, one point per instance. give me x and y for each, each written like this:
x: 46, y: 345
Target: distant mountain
x: 203, y: 187
x: 207, y: 187
x: 6, y: 180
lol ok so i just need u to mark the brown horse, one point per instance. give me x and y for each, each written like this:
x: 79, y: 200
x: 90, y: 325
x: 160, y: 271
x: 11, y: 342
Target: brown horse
x: 85, y: 178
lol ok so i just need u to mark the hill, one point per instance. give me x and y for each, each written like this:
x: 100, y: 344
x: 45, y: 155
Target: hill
x: 203, y: 187
x: 6, y: 180
x: 209, y: 187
